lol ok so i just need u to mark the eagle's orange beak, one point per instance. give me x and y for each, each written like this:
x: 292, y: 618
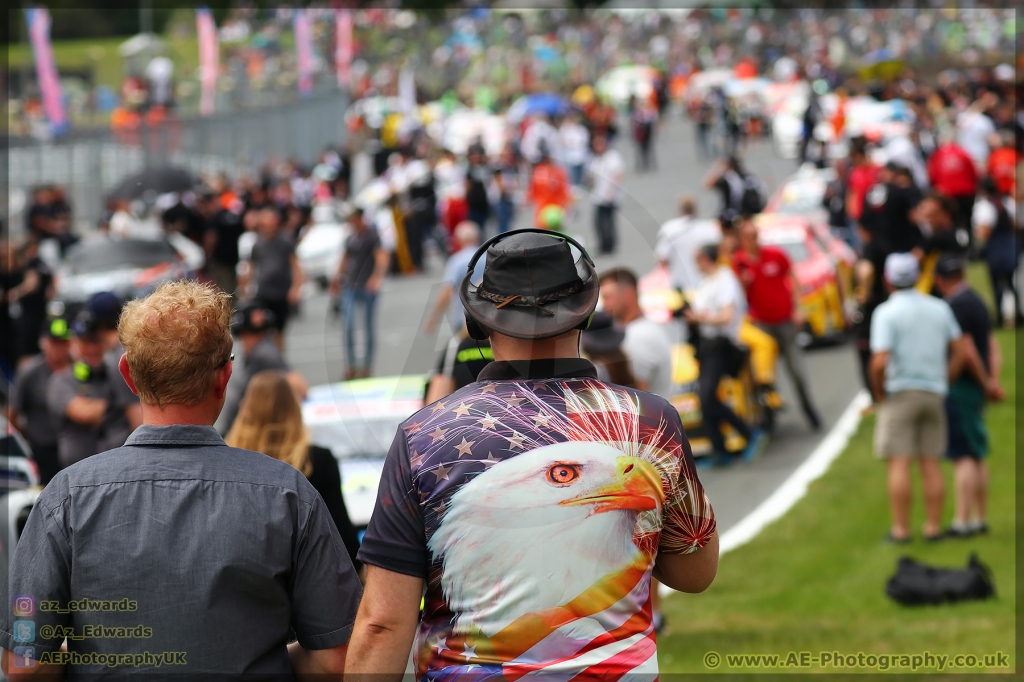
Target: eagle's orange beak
x: 637, y: 487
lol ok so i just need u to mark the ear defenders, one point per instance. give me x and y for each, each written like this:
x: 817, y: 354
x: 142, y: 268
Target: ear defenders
x: 473, y: 328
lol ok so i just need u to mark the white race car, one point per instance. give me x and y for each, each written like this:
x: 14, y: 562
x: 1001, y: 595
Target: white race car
x: 357, y: 420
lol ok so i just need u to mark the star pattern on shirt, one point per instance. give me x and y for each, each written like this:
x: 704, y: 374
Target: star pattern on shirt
x: 414, y: 428
x: 513, y: 400
x: 440, y: 406
x: 423, y: 496
x: 465, y: 447
x: 487, y: 422
x: 441, y: 472
x: 439, y: 644
x: 489, y: 388
x: 515, y: 440
x: 441, y: 508
x: 542, y: 420
x: 462, y: 410
x: 469, y: 651
x: 437, y: 434
x: 417, y: 459
x: 491, y: 459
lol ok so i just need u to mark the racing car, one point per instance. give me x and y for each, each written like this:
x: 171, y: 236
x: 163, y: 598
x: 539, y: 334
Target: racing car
x: 357, y: 421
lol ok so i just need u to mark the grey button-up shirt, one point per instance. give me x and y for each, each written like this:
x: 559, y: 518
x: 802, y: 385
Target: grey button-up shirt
x: 178, y: 543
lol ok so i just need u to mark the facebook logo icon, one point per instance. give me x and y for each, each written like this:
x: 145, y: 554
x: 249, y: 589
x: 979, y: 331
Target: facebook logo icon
x: 24, y: 657
x: 24, y: 631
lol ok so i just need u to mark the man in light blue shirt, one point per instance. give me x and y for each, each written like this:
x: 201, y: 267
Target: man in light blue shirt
x: 915, y: 340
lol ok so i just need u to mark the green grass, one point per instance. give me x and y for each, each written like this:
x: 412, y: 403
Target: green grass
x: 815, y: 580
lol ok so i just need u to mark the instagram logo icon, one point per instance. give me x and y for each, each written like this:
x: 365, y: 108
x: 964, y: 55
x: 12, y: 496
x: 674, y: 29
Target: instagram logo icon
x: 24, y: 605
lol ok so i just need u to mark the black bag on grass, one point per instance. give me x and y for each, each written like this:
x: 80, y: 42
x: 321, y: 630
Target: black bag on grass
x: 916, y: 583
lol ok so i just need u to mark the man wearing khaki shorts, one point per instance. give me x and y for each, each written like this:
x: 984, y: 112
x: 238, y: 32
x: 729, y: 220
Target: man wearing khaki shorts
x: 915, y: 341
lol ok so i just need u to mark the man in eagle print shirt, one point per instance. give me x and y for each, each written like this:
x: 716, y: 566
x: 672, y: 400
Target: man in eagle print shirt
x: 536, y: 503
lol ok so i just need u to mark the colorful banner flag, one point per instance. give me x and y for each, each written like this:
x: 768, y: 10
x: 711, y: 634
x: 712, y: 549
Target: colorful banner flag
x: 209, y: 59
x: 343, y: 48
x: 46, y: 69
x: 303, y: 27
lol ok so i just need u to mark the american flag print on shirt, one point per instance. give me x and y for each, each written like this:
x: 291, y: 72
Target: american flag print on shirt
x: 541, y: 506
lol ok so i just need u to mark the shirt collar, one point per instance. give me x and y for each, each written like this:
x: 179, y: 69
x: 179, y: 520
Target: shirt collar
x: 546, y: 368
x: 175, y: 434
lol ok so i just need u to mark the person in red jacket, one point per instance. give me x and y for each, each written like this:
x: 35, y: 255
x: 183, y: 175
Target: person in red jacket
x: 952, y: 173
x: 774, y: 306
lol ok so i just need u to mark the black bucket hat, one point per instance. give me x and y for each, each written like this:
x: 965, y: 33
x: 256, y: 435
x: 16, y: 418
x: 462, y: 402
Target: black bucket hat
x: 533, y: 287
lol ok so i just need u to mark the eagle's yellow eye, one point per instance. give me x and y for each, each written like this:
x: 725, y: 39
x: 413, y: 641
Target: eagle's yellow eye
x: 563, y: 474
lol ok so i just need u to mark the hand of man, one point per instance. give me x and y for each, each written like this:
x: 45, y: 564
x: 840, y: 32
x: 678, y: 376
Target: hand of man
x: 798, y: 318
x: 373, y: 284
x: 994, y: 392
x: 335, y: 287
x: 294, y: 294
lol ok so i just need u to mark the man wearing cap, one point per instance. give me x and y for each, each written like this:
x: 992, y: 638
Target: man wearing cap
x: 915, y: 345
x: 28, y: 410
x: 976, y: 382
x: 252, y: 325
x: 210, y: 558
x: 88, y: 413
x: 534, y: 505
x: 105, y: 309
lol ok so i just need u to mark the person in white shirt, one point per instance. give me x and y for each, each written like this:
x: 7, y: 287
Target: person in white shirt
x: 607, y: 175
x: 575, y: 144
x: 647, y: 344
x: 678, y: 242
x: 718, y: 308
x: 539, y: 130
x: 973, y: 128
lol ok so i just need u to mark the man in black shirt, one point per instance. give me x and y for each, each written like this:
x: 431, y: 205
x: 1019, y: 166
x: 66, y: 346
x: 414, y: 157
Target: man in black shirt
x: 220, y: 242
x: 975, y: 382
x: 458, y: 366
x: 888, y: 206
x: 275, y: 268
x: 869, y: 292
x: 478, y: 180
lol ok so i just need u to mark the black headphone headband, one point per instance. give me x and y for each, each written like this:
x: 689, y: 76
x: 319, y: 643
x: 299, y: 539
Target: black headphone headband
x: 498, y: 237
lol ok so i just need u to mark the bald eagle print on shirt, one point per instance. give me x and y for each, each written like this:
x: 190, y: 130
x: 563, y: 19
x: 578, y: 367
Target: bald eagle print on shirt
x: 543, y: 506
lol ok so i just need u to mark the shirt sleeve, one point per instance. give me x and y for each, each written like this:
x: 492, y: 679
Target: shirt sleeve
x: 688, y: 518
x: 396, y: 537
x: 881, y: 334
x: 39, y: 576
x: 325, y: 588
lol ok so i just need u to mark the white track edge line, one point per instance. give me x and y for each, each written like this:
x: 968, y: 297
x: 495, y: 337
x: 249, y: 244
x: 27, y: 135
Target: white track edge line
x: 795, y: 487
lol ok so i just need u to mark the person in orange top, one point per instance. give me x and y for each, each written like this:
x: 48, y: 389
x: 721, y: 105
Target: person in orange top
x: 549, y: 186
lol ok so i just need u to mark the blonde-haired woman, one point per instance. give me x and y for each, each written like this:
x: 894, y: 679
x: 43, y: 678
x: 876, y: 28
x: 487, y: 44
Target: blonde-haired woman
x: 270, y: 421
